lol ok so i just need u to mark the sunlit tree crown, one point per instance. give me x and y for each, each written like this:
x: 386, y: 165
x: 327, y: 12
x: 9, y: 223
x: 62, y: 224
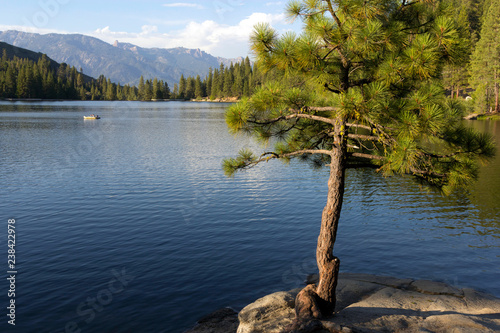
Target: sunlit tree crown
x: 364, y: 76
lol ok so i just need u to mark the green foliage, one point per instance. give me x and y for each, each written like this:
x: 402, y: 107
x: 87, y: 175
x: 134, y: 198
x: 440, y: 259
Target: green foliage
x: 24, y: 78
x: 485, y: 65
x: 377, y: 67
x: 238, y: 80
x: 245, y: 157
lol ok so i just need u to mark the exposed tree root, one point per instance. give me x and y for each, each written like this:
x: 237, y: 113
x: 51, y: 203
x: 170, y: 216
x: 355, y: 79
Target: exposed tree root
x: 307, y: 312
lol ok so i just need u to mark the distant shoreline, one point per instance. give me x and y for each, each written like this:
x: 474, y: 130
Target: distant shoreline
x: 218, y: 100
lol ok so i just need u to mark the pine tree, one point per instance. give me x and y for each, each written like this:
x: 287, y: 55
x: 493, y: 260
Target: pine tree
x: 485, y: 66
x: 228, y: 81
x: 166, y: 91
x: 148, y: 90
x: 360, y: 87
x: 182, y: 87
x: 132, y: 93
x: 110, y: 90
x: 157, y: 94
x: 79, y: 80
x: 4, y: 56
x: 209, y: 82
x: 22, y: 86
x: 175, y: 93
x: 215, y: 89
x: 189, y: 92
x: 82, y: 93
x: 198, y: 88
x: 49, y: 87
x: 10, y: 82
x: 455, y: 75
x: 238, y: 82
x: 141, y: 93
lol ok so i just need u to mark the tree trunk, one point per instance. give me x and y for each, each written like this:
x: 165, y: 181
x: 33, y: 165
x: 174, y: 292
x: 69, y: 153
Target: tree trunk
x: 315, y: 302
x: 328, y: 264
x: 496, y: 98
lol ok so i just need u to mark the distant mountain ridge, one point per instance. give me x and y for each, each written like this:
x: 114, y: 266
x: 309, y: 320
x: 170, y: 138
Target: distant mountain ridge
x: 123, y: 63
x: 14, y: 51
x: 22, y: 53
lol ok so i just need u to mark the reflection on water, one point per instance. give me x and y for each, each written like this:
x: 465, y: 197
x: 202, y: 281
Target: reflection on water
x: 142, y: 189
x: 485, y: 195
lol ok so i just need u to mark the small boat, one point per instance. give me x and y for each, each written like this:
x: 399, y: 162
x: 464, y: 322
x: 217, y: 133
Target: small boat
x: 91, y: 117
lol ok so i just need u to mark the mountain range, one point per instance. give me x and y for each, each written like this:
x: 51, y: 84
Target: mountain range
x: 121, y: 62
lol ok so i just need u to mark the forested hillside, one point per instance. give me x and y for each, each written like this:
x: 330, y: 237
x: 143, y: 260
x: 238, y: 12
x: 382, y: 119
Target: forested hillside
x: 25, y: 74
x: 28, y: 75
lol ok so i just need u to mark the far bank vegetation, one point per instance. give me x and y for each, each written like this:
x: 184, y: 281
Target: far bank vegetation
x: 226, y: 83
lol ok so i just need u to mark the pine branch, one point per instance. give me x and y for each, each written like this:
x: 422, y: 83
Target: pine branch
x: 331, y: 49
x: 302, y: 152
x: 272, y: 155
x: 336, y: 91
x: 359, y: 126
x: 426, y: 173
x: 444, y: 156
x: 313, y: 14
x: 332, y: 12
x: 322, y: 108
x: 368, y: 156
x: 361, y: 82
x: 299, y: 115
x: 363, y: 137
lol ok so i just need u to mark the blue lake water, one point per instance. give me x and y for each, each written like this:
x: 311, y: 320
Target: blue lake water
x: 128, y: 224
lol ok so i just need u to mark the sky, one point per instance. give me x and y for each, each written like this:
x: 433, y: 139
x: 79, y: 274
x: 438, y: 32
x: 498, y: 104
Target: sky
x: 218, y: 27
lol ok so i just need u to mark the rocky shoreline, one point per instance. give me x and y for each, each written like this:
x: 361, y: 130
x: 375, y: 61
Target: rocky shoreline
x: 370, y: 303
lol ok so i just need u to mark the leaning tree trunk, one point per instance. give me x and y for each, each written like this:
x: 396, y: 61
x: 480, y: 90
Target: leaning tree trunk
x: 328, y: 264
x: 314, y: 302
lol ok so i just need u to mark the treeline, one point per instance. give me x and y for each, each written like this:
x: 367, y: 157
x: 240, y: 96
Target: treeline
x: 104, y: 89
x: 23, y: 78
x: 236, y: 80
x: 478, y: 74
x: 151, y: 90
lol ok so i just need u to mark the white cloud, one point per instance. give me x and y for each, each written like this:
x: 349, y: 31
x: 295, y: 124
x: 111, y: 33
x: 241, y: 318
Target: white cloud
x: 276, y: 3
x: 149, y: 29
x: 183, y: 4
x: 32, y: 29
x: 212, y: 37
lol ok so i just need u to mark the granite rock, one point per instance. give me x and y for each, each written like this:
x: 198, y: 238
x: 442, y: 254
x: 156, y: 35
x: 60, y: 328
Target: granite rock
x: 221, y: 321
x: 368, y: 303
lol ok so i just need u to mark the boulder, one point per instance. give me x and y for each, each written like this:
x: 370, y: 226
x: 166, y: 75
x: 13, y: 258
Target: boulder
x: 472, y: 116
x: 368, y: 303
x: 271, y: 313
x: 221, y: 321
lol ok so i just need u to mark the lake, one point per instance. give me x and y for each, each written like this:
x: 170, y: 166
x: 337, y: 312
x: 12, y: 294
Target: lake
x: 128, y: 224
